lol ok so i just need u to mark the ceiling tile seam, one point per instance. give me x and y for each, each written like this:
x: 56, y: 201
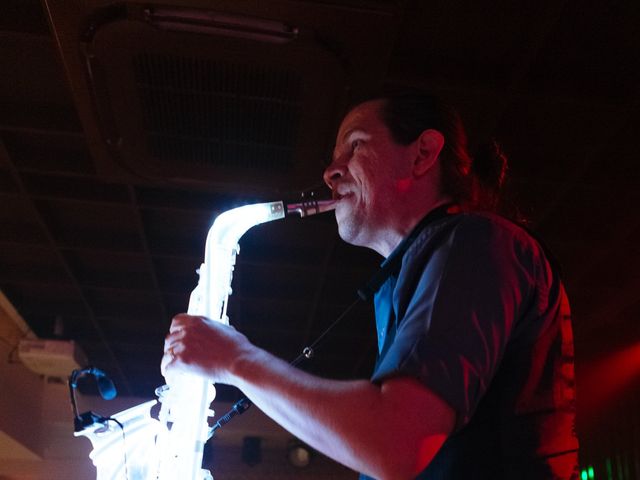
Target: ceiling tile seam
x: 42, y: 132
x: 22, y: 35
x: 64, y: 247
x: 173, y: 209
x: 81, y: 201
x: 90, y: 286
x: 167, y: 256
x: 147, y: 255
x: 61, y: 258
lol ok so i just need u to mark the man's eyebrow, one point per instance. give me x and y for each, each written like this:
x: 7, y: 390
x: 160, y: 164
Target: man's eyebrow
x: 351, y: 131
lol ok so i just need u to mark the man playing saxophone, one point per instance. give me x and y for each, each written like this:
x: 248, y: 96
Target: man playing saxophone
x: 475, y: 372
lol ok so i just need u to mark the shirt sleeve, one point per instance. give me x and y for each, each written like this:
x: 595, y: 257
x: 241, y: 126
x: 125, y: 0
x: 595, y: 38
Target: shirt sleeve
x: 456, y: 302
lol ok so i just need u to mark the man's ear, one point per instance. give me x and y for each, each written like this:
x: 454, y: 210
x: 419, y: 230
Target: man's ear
x: 428, y: 147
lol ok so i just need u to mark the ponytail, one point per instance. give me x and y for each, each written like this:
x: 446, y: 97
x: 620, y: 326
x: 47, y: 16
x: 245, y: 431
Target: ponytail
x: 489, y: 172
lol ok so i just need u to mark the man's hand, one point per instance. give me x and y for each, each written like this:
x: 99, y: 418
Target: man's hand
x: 203, y: 347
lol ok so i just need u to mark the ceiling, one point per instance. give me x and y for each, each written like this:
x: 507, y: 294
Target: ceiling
x: 124, y: 132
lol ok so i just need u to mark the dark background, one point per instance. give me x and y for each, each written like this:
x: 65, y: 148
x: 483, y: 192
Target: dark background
x: 126, y: 128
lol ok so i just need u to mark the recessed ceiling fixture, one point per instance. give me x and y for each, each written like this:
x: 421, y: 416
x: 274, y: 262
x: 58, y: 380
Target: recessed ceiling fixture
x: 209, y: 22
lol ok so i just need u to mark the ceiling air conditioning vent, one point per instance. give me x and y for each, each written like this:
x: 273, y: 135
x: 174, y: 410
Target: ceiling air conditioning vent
x: 218, y: 114
x: 232, y: 95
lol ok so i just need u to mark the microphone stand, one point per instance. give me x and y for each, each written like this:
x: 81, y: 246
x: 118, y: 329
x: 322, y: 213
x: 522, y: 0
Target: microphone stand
x: 87, y: 419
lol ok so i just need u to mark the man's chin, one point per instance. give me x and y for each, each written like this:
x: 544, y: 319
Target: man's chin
x: 350, y: 232
x: 345, y: 229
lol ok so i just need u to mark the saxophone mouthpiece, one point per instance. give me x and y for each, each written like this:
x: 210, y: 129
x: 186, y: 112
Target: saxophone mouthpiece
x: 312, y: 203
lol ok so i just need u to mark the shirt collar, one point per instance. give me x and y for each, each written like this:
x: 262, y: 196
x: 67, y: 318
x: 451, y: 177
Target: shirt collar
x: 393, y: 262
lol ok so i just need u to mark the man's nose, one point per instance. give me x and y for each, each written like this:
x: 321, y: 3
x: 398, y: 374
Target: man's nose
x: 333, y: 172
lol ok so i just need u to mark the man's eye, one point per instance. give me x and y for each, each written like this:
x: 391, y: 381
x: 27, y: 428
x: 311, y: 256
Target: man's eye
x: 356, y: 143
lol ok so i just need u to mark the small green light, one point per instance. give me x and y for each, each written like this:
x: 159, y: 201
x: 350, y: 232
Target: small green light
x: 591, y: 473
x: 584, y: 475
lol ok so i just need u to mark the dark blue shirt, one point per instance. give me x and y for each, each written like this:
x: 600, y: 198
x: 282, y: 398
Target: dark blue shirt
x: 476, y: 312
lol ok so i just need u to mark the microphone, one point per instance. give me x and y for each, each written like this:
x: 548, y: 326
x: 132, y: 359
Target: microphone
x: 107, y: 391
x: 106, y: 387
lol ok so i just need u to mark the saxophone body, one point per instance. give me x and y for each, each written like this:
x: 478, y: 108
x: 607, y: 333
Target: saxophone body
x: 185, y: 404
x: 171, y: 447
x: 132, y: 445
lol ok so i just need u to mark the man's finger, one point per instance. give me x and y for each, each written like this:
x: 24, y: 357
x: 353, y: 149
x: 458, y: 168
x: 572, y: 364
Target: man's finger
x: 180, y: 321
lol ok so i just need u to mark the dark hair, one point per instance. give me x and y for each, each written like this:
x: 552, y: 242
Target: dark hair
x: 475, y: 182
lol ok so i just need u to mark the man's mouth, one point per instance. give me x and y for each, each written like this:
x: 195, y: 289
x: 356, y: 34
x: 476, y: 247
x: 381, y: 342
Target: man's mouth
x: 340, y: 194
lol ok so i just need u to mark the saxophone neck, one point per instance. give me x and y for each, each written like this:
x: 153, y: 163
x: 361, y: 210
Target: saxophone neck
x: 311, y: 206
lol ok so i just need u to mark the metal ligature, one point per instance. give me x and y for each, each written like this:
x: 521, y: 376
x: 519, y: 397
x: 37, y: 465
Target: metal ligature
x: 132, y: 445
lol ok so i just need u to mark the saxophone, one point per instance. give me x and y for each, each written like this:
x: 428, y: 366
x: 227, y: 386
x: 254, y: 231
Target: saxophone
x: 131, y: 445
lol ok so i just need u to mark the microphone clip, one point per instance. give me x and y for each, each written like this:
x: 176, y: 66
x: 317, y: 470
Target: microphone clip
x: 88, y: 419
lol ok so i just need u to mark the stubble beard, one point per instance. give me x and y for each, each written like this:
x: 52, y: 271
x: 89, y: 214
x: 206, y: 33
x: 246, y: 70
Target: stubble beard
x: 351, y: 226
